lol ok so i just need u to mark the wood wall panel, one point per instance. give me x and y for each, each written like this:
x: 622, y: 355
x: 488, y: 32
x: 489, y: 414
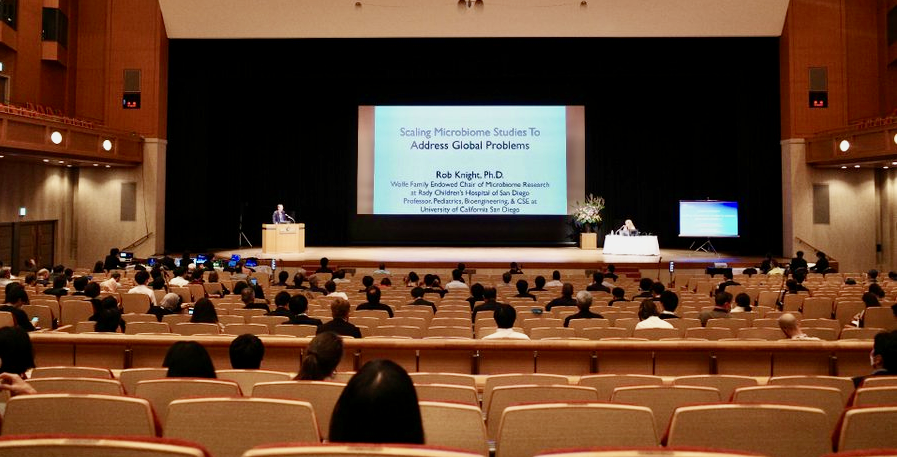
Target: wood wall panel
x: 863, y: 38
x: 92, y: 31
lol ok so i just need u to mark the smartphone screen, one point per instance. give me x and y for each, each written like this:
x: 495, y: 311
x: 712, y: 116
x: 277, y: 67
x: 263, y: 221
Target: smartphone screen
x: 672, y: 267
x: 190, y: 311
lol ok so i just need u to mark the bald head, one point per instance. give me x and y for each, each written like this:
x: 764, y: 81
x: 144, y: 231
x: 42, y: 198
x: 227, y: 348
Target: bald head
x: 789, y: 324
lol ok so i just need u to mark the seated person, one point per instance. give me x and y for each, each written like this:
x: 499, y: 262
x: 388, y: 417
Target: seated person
x: 609, y: 273
x: 188, y: 359
x: 539, y: 281
x: 555, y: 280
x: 247, y: 296
x: 299, y: 309
x: 432, y: 285
x: 324, y: 268
x: 373, y: 297
x: 340, y: 276
x: 330, y: 287
x: 381, y: 270
x: 644, y: 289
x: 522, y: 287
x: 340, y: 324
x: 883, y: 357
x: 204, y: 313
x: 618, y: 293
x: 58, y: 288
x: 628, y: 228
x: 489, y: 302
x: 505, y: 281
x: 822, y: 264
x: 515, y: 270
x: 670, y: 301
x: 649, y: 317
x: 378, y: 405
x: 298, y: 279
x: 476, y: 295
x: 246, y: 352
x: 457, y: 282
x: 313, y: 285
x: 566, y: 298
x: 727, y: 281
x: 170, y: 304
x: 597, y: 284
x: 15, y: 299
x: 366, y: 283
x: 418, y: 294
x: 281, y: 303
x: 791, y: 327
x: 504, y: 316
x: 79, y: 284
x: 583, y: 302
x: 111, y: 284
x: 282, y: 278
x: 742, y: 303
x: 870, y: 299
x: 723, y: 303
x: 322, y: 356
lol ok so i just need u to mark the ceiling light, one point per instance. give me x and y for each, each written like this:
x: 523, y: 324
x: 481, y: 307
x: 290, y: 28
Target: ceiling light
x: 96, y: 165
x: 856, y: 166
x: 108, y: 166
x: 844, y: 167
x: 69, y: 166
x: 885, y: 167
x: 2, y: 157
x: 56, y: 137
x: 844, y: 145
x: 62, y: 161
x: 107, y: 145
x: 46, y: 160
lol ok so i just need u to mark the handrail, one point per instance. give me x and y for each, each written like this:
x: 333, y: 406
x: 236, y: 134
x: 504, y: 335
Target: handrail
x: 804, y: 242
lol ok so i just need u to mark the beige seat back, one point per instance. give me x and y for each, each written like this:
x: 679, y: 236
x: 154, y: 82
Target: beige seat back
x: 444, y: 378
x: 447, y: 393
x: 843, y: 384
x: 78, y: 414
x: 240, y: 329
x: 161, y: 392
x: 828, y: 399
x: 726, y: 384
x: 190, y: 328
x: 135, y: 303
x: 880, y: 381
x: 71, y: 372
x: 868, y: 428
x: 494, y: 381
x: 77, y: 386
x: 663, y: 400
x: 301, y: 331
x: 505, y: 396
x: 356, y: 450
x: 528, y: 429
x: 131, y: 376
x: 455, y: 426
x: 228, y: 427
x: 875, y: 396
x: 248, y: 378
x: 606, y: 383
x: 90, y: 447
x: 134, y: 328
x: 321, y: 394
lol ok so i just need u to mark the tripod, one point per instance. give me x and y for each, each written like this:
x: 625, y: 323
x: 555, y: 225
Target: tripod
x: 243, y: 235
x: 706, y: 247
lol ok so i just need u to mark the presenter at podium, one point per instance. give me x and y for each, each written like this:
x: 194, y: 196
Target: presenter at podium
x: 280, y: 216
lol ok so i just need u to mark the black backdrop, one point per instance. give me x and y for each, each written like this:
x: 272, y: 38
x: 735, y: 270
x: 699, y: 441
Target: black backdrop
x: 253, y: 123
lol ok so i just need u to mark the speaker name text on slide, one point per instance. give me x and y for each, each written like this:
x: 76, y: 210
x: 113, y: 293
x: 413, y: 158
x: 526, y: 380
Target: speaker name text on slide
x: 457, y: 160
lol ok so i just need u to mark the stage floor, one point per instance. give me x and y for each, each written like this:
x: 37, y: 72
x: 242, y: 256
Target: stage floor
x: 571, y: 257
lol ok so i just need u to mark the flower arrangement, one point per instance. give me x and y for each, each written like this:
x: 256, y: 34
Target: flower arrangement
x: 588, y: 213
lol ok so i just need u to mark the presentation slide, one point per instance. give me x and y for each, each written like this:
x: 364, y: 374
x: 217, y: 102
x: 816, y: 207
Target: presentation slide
x: 708, y: 219
x: 467, y: 160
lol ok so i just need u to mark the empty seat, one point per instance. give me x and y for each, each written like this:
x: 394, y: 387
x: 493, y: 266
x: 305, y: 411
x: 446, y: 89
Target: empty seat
x: 868, y: 428
x: 190, y: 328
x: 240, y: 329
x: 161, y: 392
x: 135, y: 303
x: 321, y: 394
x: 447, y: 393
x: 663, y: 400
x: 356, y: 450
x: 77, y: 386
x: 105, y: 415
x: 605, y: 384
x: 249, y: 378
x: 296, y: 330
x: 444, y: 378
x: 843, y: 384
x: 859, y: 333
x: 131, y: 376
x: 828, y: 399
x: 875, y: 396
x: 83, y: 446
x: 761, y: 333
x: 494, y: 381
x: 455, y: 426
x: 71, y: 372
x: 505, y: 396
x: 726, y: 384
x: 134, y: 328
x: 879, y: 381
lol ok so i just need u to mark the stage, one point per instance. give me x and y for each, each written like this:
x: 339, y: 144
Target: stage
x: 490, y: 257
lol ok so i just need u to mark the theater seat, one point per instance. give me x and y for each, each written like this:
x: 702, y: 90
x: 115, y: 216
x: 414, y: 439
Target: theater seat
x: 321, y: 394
x: 84, y: 446
x: 78, y: 414
x: 356, y: 450
x: 868, y: 428
x: 454, y: 425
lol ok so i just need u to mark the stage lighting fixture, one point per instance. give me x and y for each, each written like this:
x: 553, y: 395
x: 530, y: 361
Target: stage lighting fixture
x: 56, y: 137
x: 844, y: 145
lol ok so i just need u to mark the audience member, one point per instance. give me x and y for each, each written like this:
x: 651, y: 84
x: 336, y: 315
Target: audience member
x: 378, y: 405
x: 15, y: 299
x: 373, y: 297
x: 618, y: 294
x: 649, y: 317
x: 670, y: 301
x: 188, y: 359
x: 282, y: 278
x: 883, y: 357
x: 870, y: 299
x: 555, y: 280
x: 324, y: 268
x: 246, y: 352
x: 791, y: 327
x: 340, y: 324
x: 597, y: 284
x: 79, y: 283
x: 58, y: 288
x: 281, y: 303
x: 16, y: 353
x: 98, y: 267
x: 339, y: 276
x: 204, y: 313
x: 489, y: 302
x: 476, y: 295
x: 247, y: 297
x: 113, y: 262
x: 322, y: 356
x: 412, y: 280
x: 539, y: 282
x: 742, y: 303
x: 515, y: 270
x: 644, y: 289
x: 298, y: 279
x: 381, y: 270
x: 504, y: 316
x: 313, y: 285
x: 798, y: 262
x: 583, y: 302
x: 522, y: 287
x: 822, y: 265
x: 111, y: 284
x: 609, y: 273
x: 141, y: 279
x: 727, y: 281
x: 366, y: 283
x: 179, y: 279
x: 457, y: 282
x: 109, y: 319
x: 15, y: 385
x: 417, y: 294
x: 872, y: 276
x: 723, y: 303
x: 170, y: 304
x: 432, y: 285
x: 566, y: 298
x: 299, y: 309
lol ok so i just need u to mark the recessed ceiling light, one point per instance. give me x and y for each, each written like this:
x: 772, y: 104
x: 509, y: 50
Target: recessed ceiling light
x: 844, y: 145
x: 856, y: 166
x: 69, y: 166
x: 56, y: 137
x: 885, y: 167
x: 843, y: 167
x: 96, y: 165
x: 46, y: 160
x: 2, y: 157
x: 108, y: 166
x: 62, y: 161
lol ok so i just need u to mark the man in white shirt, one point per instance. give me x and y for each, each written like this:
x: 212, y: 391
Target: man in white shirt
x: 650, y: 317
x: 381, y: 270
x: 457, y: 284
x: 111, y: 284
x: 504, y: 316
x: 179, y: 280
x: 141, y: 278
x: 330, y: 287
x: 555, y: 280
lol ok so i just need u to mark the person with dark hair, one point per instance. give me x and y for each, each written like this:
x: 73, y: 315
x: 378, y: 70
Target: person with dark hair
x: 79, y: 284
x: 381, y: 270
x: 58, y: 288
x: 108, y: 320
x: 892, y: 275
x: 583, y: 302
x: 822, y: 265
x: 656, y: 289
x: 282, y: 278
x: 871, y: 300
x: 432, y: 286
x: 793, y: 287
x: 457, y: 282
x: 298, y: 279
x: 15, y: 298
x: 313, y: 285
x: 670, y: 301
x: 366, y: 283
x: 247, y: 297
x: 742, y: 303
x: 609, y: 272
x: 505, y: 280
x: 281, y: 303
x: 522, y: 290
x: 515, y: 270
x: 378, y: 405
x: 340, y: 276
x: 539, y: 282
x: 619, y: 295
x: 644, y: 288
x: 566, y: 298
x: 418, y: 295
x: 330, y: 287
x: 385, y: 282
x: 412, y: 280
x: 872, y: 276
x: 723, y: 303
x: 112, y: 261
x: 597, y: 284
x: 204, y: 313
x: 98, y: 267
x: 877, y: 290
x: 16, y: 353
x: 476, y: 295
x: 728, y: 280
x: 489, y: 302
x: 798, y: 262
x: 321, y: 358
x: 111, y: 284
x: 179, y: 279
x: 324, y: 268
x: 555, y: 280
x: 649, y: 317
x: 883, y: 357
x: 246, y: 352
x: 340, y: 324
x: 196, y: 276
x: 299, y: 309
x: 188, y: 359
x: 141, y: 279
x: 505, y: 316
x: 373, y: 297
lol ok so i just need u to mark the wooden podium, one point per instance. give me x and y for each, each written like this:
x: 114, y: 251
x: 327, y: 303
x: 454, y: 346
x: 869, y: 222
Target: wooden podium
x: 588, y: 241
x: 283, y: 238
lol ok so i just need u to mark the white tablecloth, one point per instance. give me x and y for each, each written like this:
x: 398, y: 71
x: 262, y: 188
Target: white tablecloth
x: 631, y: 245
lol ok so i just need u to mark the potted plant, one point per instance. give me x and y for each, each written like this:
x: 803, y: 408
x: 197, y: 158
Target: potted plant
x: 587, y: 215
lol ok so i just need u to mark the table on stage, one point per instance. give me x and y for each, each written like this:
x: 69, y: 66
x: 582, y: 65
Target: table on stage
x: 283, y: 238
x: 631, y: 245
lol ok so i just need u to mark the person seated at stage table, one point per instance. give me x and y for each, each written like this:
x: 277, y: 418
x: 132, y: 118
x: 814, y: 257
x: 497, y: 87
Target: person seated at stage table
x: 246, y: 352
x: 597, y: 283
x: 618, y: 294
x: 649, y: 317
x: 822, y: 265
x: 644, y: 289
x: 476, y: 295
x: 768, y: 264
x: 723, y: 303
x: 418, y: 295
x: 381, y: 270
x: 313, y: 285
x: 504, y: 316
x: 330, y: 287
x: 539, y: 284
x: 883, y: 357
x: 522, y: 287
x: 628, y: 228
x: 566, y: 298
x: 298, y: 280
x: 514, y: 269
x: 432, y: 285
x: 742, y: 303
x: 489, y: 302
x: 728, y: 280
x: 457, y: 282
x: 583, y: 302
x: 798, y: 261
x: 281, y: 303
x: 299, y: 310
x: 670, y: 301
x: 412, y: 280
x: 555, y: 280
x: 366, y: 283
x: 282, y: 278
x: 340, y: 324
x: 324, y: 268
x: 113, y: 262
x: 373, y: 303
x: 321, y: 358
x: 791, y: 327
x: 247, y: 297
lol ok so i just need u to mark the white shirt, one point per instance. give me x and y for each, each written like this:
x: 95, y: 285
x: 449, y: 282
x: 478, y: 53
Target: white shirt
x: 456, y: 285
x: 653, y: 322
x: 109, y: 285
x: 338, y: 294
x: 142, y: 289
x: 178, y: 281
x: 554, y: 283
x: 506, y: 334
